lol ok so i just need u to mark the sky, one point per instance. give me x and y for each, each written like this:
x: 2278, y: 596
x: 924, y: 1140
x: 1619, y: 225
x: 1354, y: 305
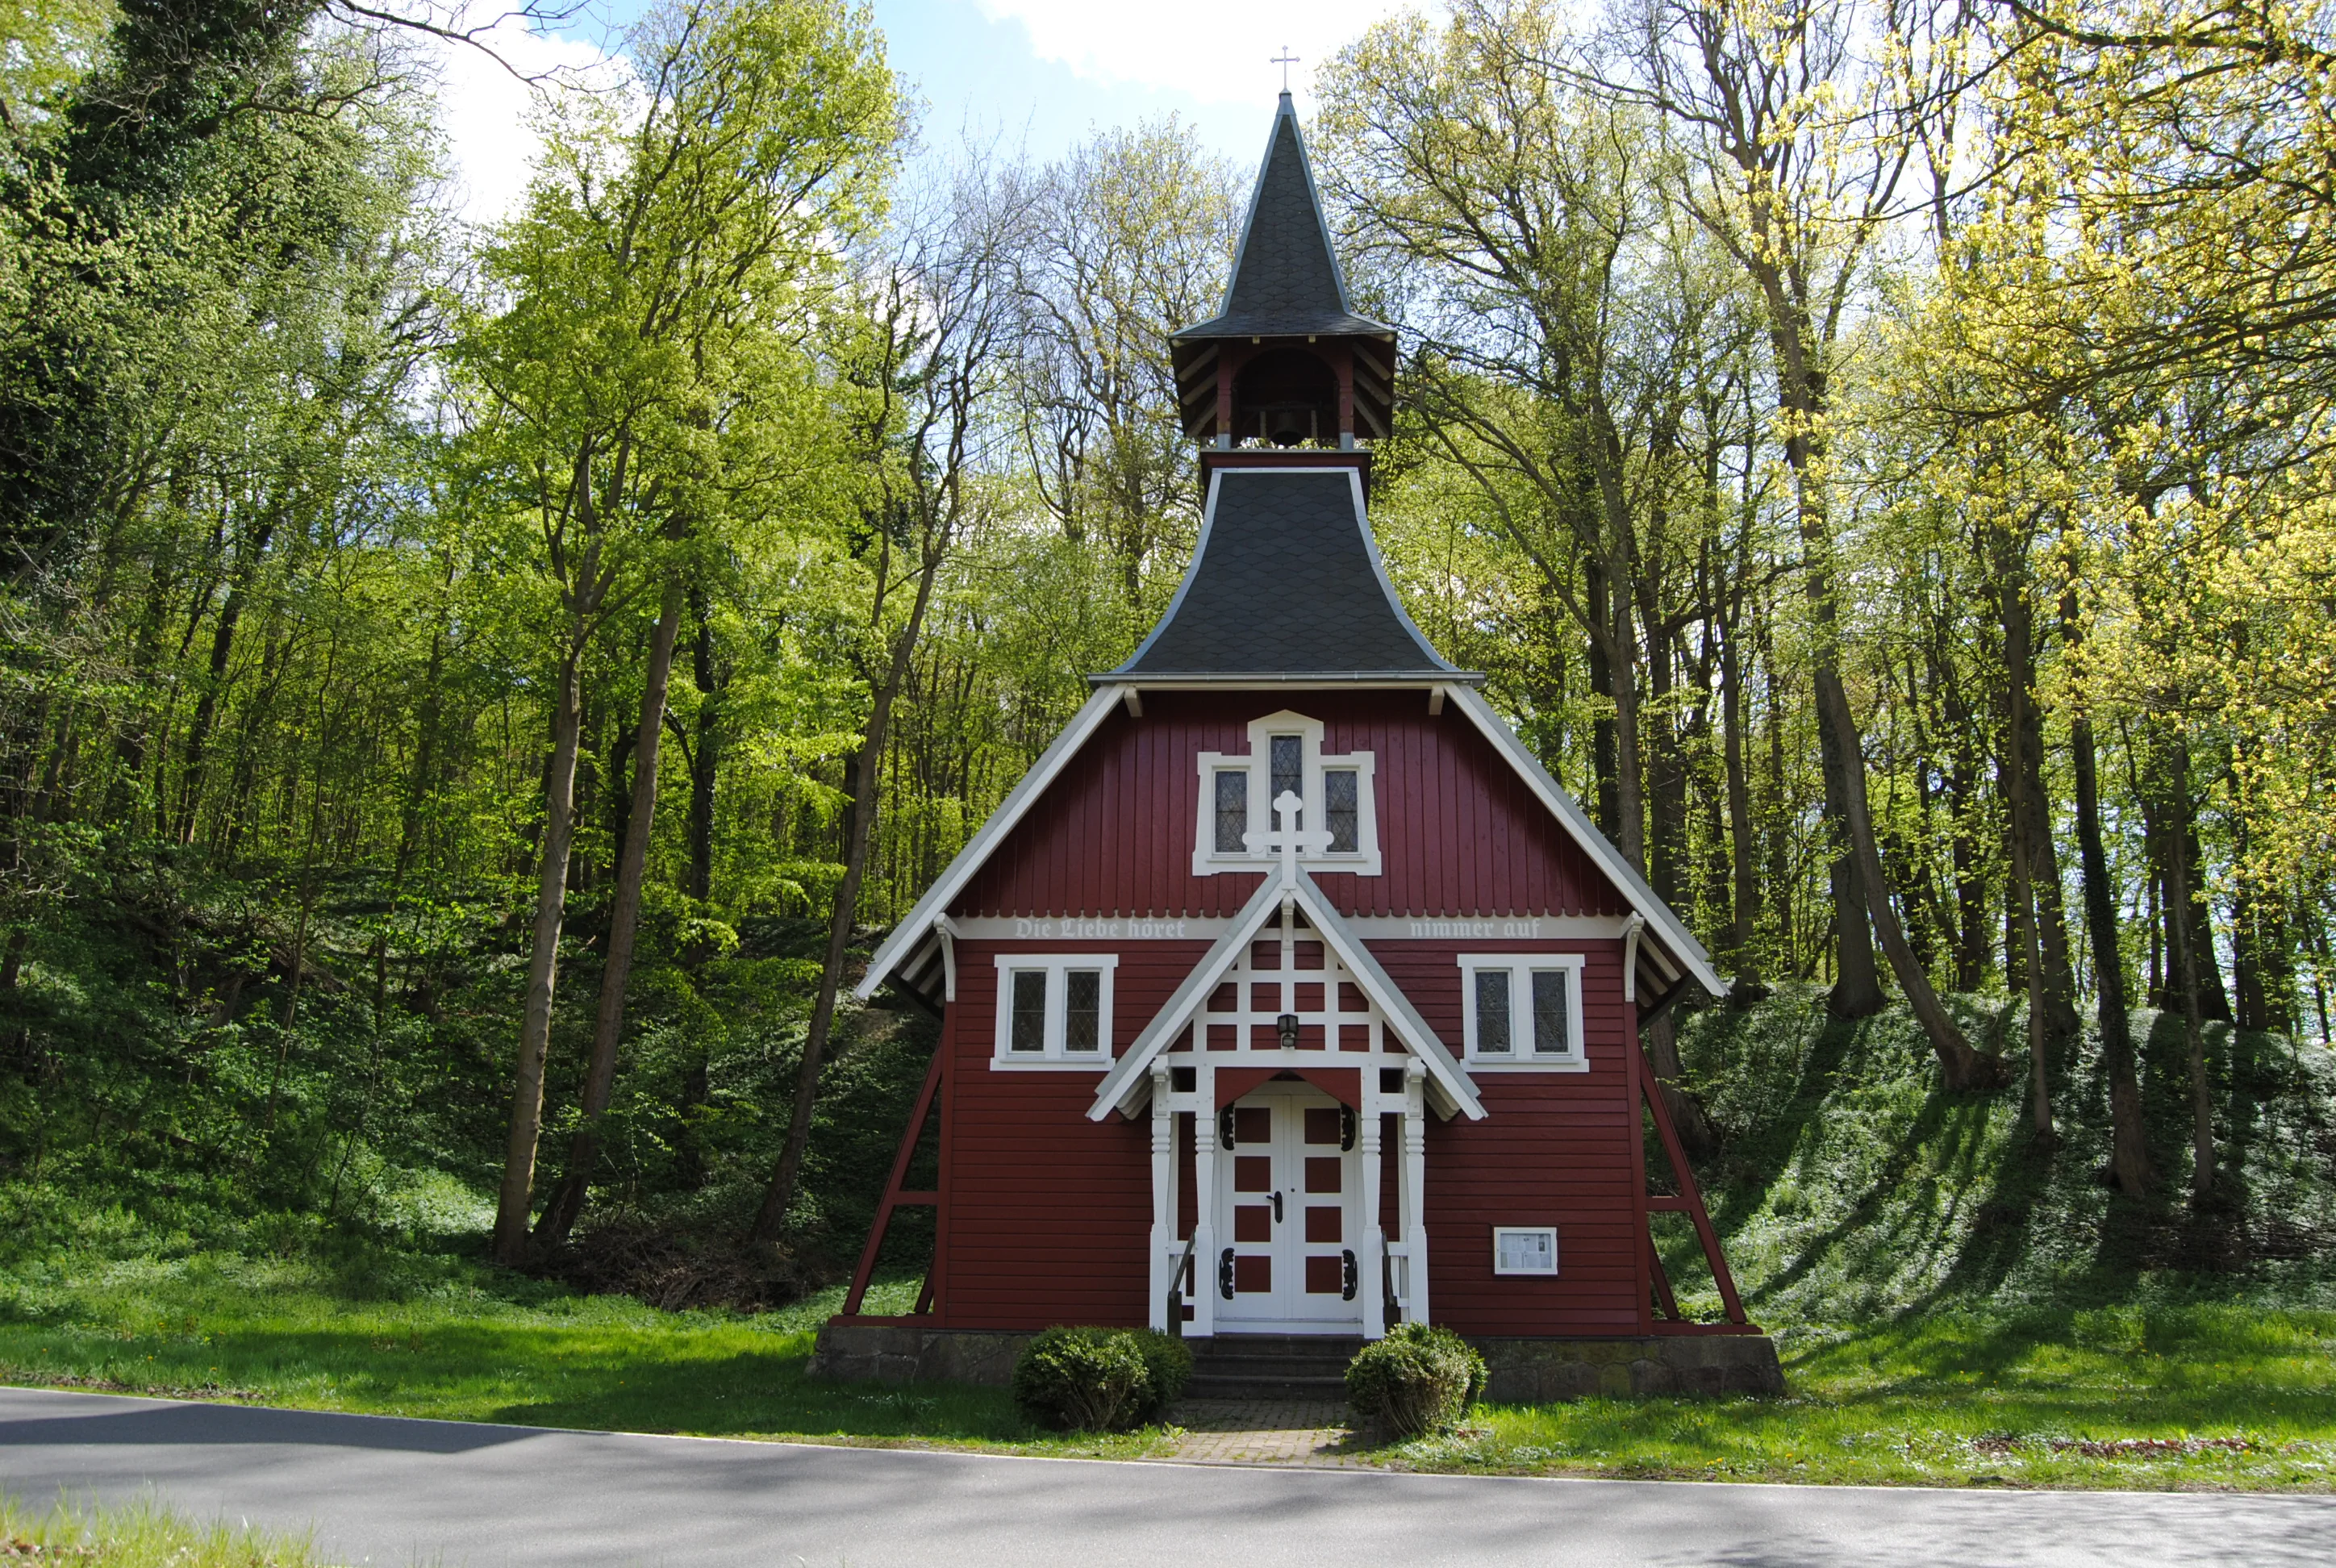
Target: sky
x: 1040, y: 74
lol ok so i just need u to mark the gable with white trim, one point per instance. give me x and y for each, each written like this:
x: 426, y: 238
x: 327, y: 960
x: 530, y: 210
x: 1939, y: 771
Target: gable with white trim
x: 1391, y: 1024
x: 1664, y: 956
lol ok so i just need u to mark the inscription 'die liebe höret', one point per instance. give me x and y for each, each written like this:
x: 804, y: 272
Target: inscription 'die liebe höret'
x: 1169, y: 930
x: 1178, y: 930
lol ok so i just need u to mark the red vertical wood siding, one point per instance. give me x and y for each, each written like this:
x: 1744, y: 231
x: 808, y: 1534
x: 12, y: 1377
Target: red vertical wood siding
x: 1048, y: 1215
x: 1553, y: 1149
x: 1460, y: 835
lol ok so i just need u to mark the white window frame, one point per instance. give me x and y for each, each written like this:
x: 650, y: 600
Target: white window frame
x: 1054, y: 1057
x: 1550, y: 1231
x: 1257, y: 764
x: 1521, y: 967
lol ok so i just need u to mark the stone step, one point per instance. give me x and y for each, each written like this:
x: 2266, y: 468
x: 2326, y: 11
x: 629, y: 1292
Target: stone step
x: 1322, y: 1347
x: 1218, y: 1386
x: 1272, y: 1367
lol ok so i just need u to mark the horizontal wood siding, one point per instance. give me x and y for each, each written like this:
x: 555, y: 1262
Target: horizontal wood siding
x: 1049, y: 1213
x: 1553, y: 1149
x: 1460, y: 835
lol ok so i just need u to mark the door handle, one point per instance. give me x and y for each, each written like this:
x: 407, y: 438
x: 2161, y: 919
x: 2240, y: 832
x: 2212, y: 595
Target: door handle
x: 1277, y: 1206
x: 1347, y: 1272
x: 1225, y: 1263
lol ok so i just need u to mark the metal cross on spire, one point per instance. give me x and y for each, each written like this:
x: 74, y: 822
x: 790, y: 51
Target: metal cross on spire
x: 1284, y: 60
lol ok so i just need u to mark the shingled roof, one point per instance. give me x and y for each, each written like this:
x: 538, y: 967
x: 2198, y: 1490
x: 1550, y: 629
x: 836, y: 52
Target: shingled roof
x: 1286, y: 279
x: 1286, y: 584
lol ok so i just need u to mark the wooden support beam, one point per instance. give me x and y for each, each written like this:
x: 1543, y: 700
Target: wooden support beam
x: 1691, y: 1197
x: 895, y: 1196
x: 1662, y: 1278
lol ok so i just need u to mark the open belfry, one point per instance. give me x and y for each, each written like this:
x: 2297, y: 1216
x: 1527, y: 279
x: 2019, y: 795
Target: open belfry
x: 1287, y: 997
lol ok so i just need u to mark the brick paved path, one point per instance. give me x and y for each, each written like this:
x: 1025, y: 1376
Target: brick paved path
x: 1310, y: 1433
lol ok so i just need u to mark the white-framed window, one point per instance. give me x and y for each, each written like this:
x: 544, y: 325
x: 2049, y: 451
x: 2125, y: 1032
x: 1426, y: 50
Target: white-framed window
x: 1285, y: 753
x: 1522, y: 1011
x: 1054, y: 1009
x: 1524, y: 1250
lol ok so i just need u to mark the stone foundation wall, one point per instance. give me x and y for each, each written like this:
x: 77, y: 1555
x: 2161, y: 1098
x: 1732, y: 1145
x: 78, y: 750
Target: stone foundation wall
x: 1525, y: 1371
x: 852, y: 1352
x: 1536, y: 1371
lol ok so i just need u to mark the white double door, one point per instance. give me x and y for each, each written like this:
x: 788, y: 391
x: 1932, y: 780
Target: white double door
x: 1289, y: 1218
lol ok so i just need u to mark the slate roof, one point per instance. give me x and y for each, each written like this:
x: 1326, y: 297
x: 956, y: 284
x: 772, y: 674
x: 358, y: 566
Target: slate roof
x: 1286, y: 584
x: 1285, y: 280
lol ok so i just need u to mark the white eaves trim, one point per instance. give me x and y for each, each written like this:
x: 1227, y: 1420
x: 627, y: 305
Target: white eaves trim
x: 1665, y: 926
x: 1127, y: 1079
x: 916, y: 929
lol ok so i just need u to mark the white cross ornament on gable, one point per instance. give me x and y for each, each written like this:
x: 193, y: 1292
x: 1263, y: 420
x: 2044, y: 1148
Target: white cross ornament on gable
x: 1290, y: 840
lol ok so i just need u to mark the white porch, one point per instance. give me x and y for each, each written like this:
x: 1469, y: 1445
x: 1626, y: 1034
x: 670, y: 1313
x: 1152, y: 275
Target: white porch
x: 1391, y: 1282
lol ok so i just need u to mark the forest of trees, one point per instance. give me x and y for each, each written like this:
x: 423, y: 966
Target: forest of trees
x: 470, y: 693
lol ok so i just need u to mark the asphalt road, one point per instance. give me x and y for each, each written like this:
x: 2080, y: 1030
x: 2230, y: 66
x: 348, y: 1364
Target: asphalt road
x: 385, y: 1491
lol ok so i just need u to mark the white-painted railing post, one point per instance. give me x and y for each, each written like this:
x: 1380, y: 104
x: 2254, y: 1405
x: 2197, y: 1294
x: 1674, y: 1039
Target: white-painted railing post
x: 1163, y: 1194
x: 1369, y: 1242
x: 1205, y: 1200
x: 1415, y: 1191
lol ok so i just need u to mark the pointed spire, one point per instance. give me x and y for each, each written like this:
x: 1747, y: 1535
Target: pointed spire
x: 1286, y: 279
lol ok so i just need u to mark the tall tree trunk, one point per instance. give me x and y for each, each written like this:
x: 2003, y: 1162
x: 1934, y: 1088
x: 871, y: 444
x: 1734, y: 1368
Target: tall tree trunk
x: 1745, y: 905
x: 2129, y: 1139
x: 704, y: 752
x: 2261, y: 973
x: 2044, y: 884
x: 2173, y: 836
x: 859, y: 824
x: 190, y: 769
x: 1802, y: 397
x: 516, y: 1194
x: 705, y: 770
x: 1857, y: 985
x: 2184, y: 937
x: 1666, y: 775
x: 624, y: 924
x: 1604, y: 760
x: 2019, y: 637
x: 591, y: 718
x: 1962, y: 844
x: 2214, y: 996
x: 425, y: 762
x: 1629, y: 741
x: 1964, y: 1067
x: 1782, y: 895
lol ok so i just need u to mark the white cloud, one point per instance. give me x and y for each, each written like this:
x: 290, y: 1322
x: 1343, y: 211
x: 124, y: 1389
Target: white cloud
x: 1216, y: 50
x: 487, y: 91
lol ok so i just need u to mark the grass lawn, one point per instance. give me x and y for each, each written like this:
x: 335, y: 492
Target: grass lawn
x: 1952, y: 1307
x: 2179, y: 1397
x: 473, y: 1345
x: 140, y: 1538
x: 2218, y: 1395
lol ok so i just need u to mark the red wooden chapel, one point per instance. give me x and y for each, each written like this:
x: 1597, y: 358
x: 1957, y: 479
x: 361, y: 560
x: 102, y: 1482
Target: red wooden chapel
x: 1289, y: 994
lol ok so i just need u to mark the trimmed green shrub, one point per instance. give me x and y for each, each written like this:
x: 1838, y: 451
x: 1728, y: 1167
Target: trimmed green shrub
x: 1098, y: 1379
x: 1167, y: 1366
x: 1419, y: 1379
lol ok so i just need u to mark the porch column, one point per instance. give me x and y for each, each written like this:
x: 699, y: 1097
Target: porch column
x: 1415, y: 1191
x: 1204, y: 1200
x: 1372, y: 1238
x: 1164, y: 1198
